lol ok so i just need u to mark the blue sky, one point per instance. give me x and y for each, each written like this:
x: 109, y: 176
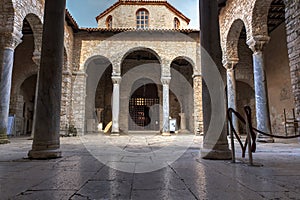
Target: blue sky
x: 85, y: 11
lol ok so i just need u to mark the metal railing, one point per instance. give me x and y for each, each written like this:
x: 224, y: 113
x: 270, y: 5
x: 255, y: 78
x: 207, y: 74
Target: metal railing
x: 250, y: 141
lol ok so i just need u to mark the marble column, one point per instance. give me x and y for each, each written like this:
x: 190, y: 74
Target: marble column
x: 36, y: 59
x: 257, y: 45
x: 166, y: 107
x: 11, y: 41
x: 231, y: 89
x: 116, y: 79
x: 46, y: 143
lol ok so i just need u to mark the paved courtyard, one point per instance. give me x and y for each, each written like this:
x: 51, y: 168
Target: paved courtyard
x: 134, y: 167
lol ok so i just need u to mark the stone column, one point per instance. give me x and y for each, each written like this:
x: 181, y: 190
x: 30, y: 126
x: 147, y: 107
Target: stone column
x: 11, y: 41
x: 166, y: 108
x: 116, y: 79
x: 257, y: 45
x: 183, y: 123
x: 231, y: 89
x: 46, y: 139
x: 36, y: 59
x: 215, y: 144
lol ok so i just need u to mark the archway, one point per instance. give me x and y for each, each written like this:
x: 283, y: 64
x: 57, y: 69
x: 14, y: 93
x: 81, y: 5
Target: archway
x: 98, y: 94
x: 144, y: 106
x: 23, y: 88
x: 140, y: 70
x: 181, y: 94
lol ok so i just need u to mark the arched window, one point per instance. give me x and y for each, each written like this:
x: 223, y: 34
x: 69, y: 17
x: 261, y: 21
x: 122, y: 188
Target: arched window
x: 109, y: 22
x: 176, y: 23
x: 142, y: 19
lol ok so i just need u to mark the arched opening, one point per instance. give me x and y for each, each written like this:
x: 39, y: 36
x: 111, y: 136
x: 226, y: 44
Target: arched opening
x: 181, y: 94
x: 277, y: 67
x: 141, y: 91
x: 99, y: 92
x: 176, y: 23
x: 144, y: 106
x: 27, y: 91
x: 109, y: 22
x: 24, y: 81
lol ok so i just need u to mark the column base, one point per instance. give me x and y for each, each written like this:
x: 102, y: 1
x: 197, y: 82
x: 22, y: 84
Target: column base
x: 166, y: 134
x: 183, y: 131
x: 115, y: 134
x: 212, y: 154
x: 264, y: 139
x: 4, y: 141
x: 44, y: 154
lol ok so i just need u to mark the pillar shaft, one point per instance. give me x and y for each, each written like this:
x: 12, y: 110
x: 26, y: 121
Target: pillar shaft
x: 36, y: 59
x: 6, y: 62
x: 231, y: 89
x: 215, y: 144
x: 116, y: 104
x: 46, y: 139
x: 261, y: 92
x: 166, y: 107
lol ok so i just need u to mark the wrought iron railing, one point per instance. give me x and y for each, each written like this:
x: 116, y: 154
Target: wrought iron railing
x: 250, y: 141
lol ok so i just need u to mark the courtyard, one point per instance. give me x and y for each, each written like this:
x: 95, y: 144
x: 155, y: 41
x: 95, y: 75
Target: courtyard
x: 89, y: 171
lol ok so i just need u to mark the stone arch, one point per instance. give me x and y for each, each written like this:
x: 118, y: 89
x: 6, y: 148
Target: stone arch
x: 92, y: 58
x: 117, y: 68
x: 188, y: 59
x: 20, y: 81
x: 140, y: 48
x: 230, y: 19
x: 259, y: 19
x: 37, y: 29
x: 22, y: 11
x: 232, y: 40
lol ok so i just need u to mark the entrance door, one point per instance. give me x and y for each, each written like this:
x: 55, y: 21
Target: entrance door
x: 144, y: 108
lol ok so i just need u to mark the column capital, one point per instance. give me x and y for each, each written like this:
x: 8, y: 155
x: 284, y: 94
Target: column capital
x: 230, y: 63
x: 79, y: 73
x: 165, y: 80
x: 36, y: 58
x: 11, y: 39
x: 257, y: 43
x: 116, y: 79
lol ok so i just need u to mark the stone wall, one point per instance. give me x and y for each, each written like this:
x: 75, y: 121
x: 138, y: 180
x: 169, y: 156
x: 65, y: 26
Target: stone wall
x: 160, y: 17
x: 293, y: 42
x: 66, y: 99
x: 165, y: 45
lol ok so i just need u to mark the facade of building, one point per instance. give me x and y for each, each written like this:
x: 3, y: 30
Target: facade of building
x: 123, y: 70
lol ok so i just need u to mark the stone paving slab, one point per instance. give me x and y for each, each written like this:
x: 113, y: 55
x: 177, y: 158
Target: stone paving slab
x: 79, y: 175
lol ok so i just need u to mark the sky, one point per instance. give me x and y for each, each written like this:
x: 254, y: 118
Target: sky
x: 85, y: 11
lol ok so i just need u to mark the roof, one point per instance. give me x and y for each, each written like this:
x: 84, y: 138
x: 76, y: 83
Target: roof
x: 148, y: 2
x: 71, y: 21
x: 117, y: 30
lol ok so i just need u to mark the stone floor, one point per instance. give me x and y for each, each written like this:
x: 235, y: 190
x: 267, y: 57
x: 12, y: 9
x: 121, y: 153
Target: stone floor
x: 87, y: 170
